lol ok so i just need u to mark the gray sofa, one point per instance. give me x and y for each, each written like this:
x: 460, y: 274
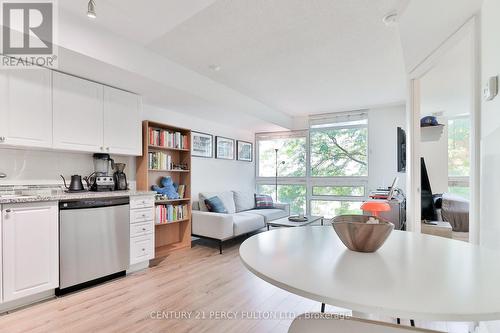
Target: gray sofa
x: 242, y: 217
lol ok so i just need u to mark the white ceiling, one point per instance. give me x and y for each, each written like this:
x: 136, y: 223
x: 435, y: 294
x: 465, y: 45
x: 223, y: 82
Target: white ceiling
x: 447, y: 87
x: 298, y: 57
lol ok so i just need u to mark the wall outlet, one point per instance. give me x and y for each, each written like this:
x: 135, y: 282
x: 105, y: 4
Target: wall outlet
x: 491, y: 89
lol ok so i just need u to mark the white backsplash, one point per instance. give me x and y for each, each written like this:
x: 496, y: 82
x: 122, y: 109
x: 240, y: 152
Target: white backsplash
x: 38, y: 167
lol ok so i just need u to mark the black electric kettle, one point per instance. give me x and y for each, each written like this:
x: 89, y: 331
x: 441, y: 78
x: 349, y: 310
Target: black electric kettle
x: 76, y: 184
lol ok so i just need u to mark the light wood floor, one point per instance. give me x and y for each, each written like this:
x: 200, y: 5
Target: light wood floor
x: 196, y: 281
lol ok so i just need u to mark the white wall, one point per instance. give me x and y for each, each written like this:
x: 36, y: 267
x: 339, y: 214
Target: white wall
x: 34, y: 167
x: 490, y: 137
x: 383, y: 156
x: 423, y: 26
x: 210, y: 174
x: 490, y: 128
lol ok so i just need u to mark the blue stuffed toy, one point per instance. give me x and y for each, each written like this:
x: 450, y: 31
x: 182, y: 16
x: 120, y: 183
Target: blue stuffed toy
x: 169, y: 188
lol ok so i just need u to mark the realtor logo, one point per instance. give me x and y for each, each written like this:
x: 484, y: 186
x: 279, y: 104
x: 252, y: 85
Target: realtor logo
x: 28, y: 33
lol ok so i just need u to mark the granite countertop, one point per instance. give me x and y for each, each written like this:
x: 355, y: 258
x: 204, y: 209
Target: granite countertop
x: 62, y: 196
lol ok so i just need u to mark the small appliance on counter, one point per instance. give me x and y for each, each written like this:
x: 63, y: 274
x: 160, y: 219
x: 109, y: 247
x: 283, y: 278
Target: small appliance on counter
x: 75, y: 185
x: 101, y: 180
x: 119, y: 177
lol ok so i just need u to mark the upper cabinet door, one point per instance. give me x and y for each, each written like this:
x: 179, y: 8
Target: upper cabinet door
x: 122, y: 122
x: 26, y: 107
x: 78, y: 113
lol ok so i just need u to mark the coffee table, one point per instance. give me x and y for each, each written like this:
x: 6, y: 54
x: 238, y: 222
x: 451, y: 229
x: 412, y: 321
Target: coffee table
x: 284, y: 222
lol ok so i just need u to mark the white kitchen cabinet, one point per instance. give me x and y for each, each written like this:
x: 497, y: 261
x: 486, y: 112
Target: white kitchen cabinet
x: 142, y: 229
x: 78, y: 113
x: 26, y: 107
x: 30, y: 251
x: 122, y: 122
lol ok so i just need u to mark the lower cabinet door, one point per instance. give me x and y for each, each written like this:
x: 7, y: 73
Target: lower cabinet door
x: 30, y: 249
x: 141, y: 248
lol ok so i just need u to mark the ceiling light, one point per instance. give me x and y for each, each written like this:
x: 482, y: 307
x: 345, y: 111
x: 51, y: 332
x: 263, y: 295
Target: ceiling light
x: 391, y: 19
x: 91, y: 9
x: 215, y: 68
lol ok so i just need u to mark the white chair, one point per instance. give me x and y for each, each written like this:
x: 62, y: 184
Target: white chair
x: 331, y: 323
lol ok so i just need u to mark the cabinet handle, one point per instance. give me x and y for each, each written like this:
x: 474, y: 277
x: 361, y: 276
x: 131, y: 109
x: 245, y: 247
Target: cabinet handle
x: 143, y: 215
x: 3, y: 175
x: 8, y: 210
x: 143, y: 229
x: 107, y: 148
x: 102, y: 148
x: 143, y: 250
x: 2, y: 138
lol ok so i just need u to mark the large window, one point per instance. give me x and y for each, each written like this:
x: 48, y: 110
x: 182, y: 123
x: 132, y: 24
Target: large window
x: 339, y: 149
x: 288, y: 153
x: 322, y: 171
x: 459, y: 156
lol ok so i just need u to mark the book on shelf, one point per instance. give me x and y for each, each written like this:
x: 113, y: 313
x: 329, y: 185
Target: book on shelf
x: 159, y: 161
x: 170, y: 213
x: 181, y: 190
x: 167, y: 139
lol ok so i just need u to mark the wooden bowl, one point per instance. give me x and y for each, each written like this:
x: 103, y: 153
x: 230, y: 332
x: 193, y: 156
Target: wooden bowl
x: 359, y: 236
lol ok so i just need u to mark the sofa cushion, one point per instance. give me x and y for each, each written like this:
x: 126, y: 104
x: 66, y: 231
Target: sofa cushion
x: 269, y: 214
x: 246, y: 222
x: 215, y: 205
x: 263, y: 201
x: 227, y: 199
x: 243, y: 201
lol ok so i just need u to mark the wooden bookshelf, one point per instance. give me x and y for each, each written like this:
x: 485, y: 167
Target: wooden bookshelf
x: 175, y: 235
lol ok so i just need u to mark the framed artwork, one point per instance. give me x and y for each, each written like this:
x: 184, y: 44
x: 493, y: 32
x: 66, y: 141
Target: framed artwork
x: 224, y: 148
x: 202, y: 145
x: 244, y: 151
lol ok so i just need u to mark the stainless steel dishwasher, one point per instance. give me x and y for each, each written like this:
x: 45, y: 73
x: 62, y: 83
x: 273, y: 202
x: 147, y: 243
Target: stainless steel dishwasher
x: 94, y: 241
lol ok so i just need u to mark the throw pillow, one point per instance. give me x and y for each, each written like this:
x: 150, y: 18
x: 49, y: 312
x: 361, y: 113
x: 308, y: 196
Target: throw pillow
x: 215, y: 205
x: 243, y: 201
x: 263, y: 201
x: 227, y: 199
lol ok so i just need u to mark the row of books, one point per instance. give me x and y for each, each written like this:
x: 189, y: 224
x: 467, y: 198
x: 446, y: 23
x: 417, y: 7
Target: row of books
x: 159, y: 161
x: 170, y: 213
x: 163, y: 138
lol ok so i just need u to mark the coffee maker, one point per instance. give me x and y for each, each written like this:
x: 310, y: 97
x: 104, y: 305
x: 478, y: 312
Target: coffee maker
x: 119, y: 177
x: 101, y: 179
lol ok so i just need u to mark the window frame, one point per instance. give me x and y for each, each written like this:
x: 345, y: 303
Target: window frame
x: 311, y: 181
x: 460, y: 181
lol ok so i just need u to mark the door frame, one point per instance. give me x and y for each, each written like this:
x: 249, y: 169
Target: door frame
x: 470, y: 27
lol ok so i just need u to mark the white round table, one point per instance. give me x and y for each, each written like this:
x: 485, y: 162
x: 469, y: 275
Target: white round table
x: 412, y: 276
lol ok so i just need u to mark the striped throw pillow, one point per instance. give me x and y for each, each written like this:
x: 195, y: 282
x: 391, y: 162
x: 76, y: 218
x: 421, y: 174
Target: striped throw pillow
x: 263, y: 201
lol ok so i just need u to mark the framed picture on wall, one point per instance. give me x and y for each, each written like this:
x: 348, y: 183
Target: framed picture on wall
x: 224, y: 148
x: 202, y: 145
x: 244, y: 151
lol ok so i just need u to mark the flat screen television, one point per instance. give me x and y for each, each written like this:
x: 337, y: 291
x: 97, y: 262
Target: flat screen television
x: 401, y: 150
x: 427, y: 201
